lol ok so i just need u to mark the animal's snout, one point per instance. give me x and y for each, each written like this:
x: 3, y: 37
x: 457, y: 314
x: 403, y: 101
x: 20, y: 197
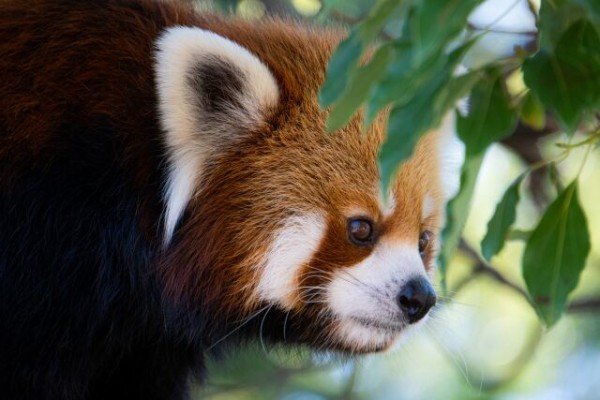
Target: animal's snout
x: 416, y: 298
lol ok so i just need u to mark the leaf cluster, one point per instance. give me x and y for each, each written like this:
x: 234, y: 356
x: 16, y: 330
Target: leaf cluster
x: 415, y: 74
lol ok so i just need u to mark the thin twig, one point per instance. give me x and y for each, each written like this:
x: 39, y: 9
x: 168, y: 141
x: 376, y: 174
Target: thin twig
x: 591, y: 304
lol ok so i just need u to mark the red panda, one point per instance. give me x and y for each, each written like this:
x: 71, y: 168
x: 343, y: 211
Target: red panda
x: 168, y: 191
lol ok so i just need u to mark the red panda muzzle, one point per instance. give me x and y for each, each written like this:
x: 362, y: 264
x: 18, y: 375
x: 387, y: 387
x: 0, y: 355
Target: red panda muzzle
x: 416, y: 298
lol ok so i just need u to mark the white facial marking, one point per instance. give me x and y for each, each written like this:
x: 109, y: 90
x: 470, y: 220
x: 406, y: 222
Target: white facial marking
x: 294, y: 244
x: 364, y: 296
x: 452, y: 156
x: 190, y: 136
x: 360, y: 336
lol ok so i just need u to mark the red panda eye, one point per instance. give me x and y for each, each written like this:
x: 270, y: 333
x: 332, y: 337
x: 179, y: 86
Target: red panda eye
x: 360, y: 231
x: 424, y: 240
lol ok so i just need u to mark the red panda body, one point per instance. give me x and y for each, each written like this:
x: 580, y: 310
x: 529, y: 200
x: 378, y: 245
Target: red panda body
x: 167, y: 190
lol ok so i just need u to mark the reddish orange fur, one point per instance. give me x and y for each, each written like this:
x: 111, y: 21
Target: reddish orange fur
x: 249, y: 190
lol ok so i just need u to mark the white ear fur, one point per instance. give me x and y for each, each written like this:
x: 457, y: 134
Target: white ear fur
x: 452, y: 156
x: 211, y: 92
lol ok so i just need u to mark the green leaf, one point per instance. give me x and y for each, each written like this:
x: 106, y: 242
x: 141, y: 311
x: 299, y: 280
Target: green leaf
x: 343, y: 62
x: 384, y: 11
x: 567, y: 78
x: 408, y: 121
x: 555, y: 255
x: 345, y: 59
x: 501, y: 221
x: 405, y: 127
x: 449, y: 17
x: 400, y: 82
x: 458, y: 88
x: 554, y: 19
x: 457, y: 211
x: 591, y: 9
x: 490, y: 117
x: 532, y: 111
x: 358, y: 89
x: 557, y: 16
x: 408, y: 73
x: 519, y: 234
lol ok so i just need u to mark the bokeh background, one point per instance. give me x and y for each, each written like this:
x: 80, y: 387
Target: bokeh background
x: 484, y: 341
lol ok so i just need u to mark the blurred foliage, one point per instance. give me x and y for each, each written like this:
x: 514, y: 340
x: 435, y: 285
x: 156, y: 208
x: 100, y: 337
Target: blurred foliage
x: 526, y: 262
x: 416, y: 74
x: 503, y: 218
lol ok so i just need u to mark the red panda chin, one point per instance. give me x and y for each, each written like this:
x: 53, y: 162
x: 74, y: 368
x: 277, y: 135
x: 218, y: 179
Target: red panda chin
x: 359, y: 337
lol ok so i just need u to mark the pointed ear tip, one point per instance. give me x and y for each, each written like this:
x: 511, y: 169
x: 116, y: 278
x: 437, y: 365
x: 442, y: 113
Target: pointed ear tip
x: 208, y: 76
x: 183, y: 47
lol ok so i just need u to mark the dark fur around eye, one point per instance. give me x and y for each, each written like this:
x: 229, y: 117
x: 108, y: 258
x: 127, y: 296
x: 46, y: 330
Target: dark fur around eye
x: 361, y: 231
x: 424, y: 241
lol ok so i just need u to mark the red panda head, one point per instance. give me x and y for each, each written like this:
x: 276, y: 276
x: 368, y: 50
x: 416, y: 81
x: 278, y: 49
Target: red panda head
x: 266, y: 214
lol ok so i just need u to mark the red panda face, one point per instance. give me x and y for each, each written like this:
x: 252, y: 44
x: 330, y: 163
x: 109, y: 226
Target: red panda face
x: 347, y: 257
x: 265, y: 211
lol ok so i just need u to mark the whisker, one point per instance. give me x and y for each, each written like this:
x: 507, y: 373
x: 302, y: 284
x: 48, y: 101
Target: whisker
x: 260, y: 331
x: 372, y: 291
x: 239, y: 326
x: 287, y: 314
x: 457, y: 358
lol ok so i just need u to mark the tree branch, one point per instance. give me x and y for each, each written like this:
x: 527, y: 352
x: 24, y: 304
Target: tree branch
x: 591, y: 304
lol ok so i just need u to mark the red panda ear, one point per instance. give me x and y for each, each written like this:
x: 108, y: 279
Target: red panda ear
x: 211, y: 92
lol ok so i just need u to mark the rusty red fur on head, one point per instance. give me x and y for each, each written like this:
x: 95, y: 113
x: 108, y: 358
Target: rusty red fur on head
x: 269, y: 221
x: 261, y: 218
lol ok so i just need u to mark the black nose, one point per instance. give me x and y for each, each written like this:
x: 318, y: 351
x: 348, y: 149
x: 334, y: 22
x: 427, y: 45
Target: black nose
x: 416, y: 298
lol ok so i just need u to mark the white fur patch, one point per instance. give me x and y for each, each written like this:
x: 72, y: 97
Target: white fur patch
x: 190, y: 136
x: 362, y: 337
x: 367, y: 292
x: 452, y: 156
x: 293, y: 245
